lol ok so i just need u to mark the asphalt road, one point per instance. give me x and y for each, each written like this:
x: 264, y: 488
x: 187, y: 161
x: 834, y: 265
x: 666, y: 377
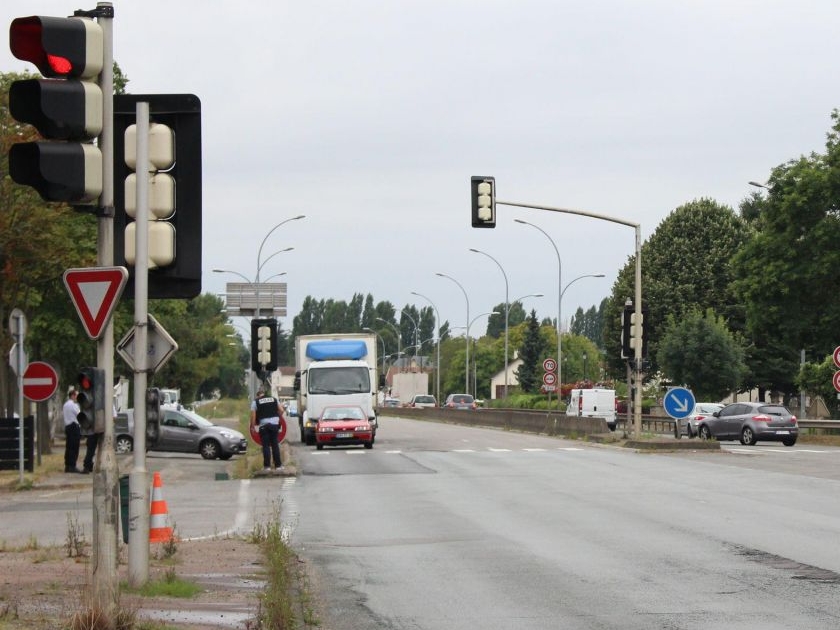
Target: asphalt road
x: 443, y: 526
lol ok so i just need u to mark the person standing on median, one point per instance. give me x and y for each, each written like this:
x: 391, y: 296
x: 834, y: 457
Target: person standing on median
x: 266, y: 413
x: 72, y: 431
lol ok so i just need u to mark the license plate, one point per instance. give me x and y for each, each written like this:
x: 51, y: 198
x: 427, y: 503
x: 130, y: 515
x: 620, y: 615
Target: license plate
x: 345, y: 434
x: 782, y: 432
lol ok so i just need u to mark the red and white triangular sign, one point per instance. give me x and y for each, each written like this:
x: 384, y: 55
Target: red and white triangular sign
x: 95, y: 292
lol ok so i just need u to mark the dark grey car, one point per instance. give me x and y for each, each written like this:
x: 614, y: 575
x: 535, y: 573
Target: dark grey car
x: 183, y: 431
x: 751, y: 422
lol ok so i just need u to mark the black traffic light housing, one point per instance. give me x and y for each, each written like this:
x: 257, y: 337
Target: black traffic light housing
x: 90, y: 385
x: 153, y: 416
x: 66, y: 108
x: 483, y: 201
x: 182, y: 114
x: 258, y: 336
x: 627, y: 330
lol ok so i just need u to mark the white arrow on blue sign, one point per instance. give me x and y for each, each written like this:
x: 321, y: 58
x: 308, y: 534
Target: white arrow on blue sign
x: 679, y: 402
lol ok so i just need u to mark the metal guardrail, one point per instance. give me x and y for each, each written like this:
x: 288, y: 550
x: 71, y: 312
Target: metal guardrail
x: 658, y: 424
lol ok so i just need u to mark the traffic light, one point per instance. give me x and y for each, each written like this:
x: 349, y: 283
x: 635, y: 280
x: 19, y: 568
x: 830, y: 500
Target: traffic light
x: 628, y: 334
x: 483, y: 201
x: 263, y: 345
x: 161, y: 195
x: 90, y: 385
x: 65, y: 107
x: 174, y: 192
x: 152, y: 416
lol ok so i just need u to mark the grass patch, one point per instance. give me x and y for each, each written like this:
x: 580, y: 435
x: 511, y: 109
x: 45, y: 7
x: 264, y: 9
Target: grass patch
x: 168, y: 586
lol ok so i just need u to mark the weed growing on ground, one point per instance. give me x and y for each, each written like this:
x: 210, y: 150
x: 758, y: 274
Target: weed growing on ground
x: 75, y: 542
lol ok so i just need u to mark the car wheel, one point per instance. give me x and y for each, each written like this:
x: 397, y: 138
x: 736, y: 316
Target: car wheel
x: 209, y: 449
x: 124, y: 444
x: 789, y: 441
x: 705, y: 434
x: 320, y: 447
x: 369, y: 444
x: 748, y: 437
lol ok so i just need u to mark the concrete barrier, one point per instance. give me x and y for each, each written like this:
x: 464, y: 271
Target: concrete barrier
x: 548, y: 422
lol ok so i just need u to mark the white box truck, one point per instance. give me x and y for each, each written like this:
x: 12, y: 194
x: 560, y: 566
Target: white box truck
x: 593, y: 403
x: 337, y: 369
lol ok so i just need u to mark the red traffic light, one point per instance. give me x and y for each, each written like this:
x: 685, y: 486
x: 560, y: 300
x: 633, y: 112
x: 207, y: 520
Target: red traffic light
x: 69, y: 48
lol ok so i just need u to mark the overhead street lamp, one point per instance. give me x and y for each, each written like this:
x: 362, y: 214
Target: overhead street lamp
x: 467, y: 355
x: 559, y: 302
x: 416, y: 334
x: 378, y: 336
x: 475, y: 388
x: 396, y: 332
x: 437, y: 335
x: 507, y: 310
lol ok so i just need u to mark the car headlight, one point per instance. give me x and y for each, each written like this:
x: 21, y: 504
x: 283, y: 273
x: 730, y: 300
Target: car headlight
x: 325, y: 429
x: 363, y: 427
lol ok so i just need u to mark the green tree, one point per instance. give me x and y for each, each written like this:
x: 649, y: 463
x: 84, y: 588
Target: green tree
x: 816, y: 379
x: 786, y: 274
x: 531, y: 353
x: 685, y: 266
x: 699, y: 351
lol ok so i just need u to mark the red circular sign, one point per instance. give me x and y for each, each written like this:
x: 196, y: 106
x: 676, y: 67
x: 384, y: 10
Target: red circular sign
x: 837, y: 356
x: 39, y: 381
x: 255, y: 433
x: 549, y: 365
x: 836, y: 381
x: 550, y: 378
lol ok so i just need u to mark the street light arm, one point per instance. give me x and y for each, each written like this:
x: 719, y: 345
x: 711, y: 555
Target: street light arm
x: 279, y: 251
x: 259, y: 251
x: 235, y: 273
x: 467, y: 352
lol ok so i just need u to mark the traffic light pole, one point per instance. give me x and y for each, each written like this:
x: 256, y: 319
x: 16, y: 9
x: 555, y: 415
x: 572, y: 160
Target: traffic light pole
x: 105, y: 482
x: 138, y: 479
x: 637, y: 333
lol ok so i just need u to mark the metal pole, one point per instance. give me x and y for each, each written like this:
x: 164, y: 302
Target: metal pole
x: 105, y: 584
x: 138, y: 479
x: 559, y: 311
x: 637, y: 412
x: 507, y: 312
x: 467, y: 350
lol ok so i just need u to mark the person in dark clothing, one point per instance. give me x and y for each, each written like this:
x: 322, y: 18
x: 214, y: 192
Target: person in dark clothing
x: 72, y: 431
x: 266, y: 414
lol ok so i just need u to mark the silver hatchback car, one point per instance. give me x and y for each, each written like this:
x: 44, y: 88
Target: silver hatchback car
x: 751, y: 422
x: 183, y: 431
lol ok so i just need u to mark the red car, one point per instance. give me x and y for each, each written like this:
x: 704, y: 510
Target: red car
x: 343, y: 424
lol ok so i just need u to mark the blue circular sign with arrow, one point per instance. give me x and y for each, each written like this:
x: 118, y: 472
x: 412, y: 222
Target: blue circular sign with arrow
x: 679, y: 402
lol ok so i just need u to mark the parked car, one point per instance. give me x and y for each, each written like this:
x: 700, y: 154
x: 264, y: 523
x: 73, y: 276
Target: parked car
x: 343, y: 424
x: 688, y: 425
x: 422, y: 401
x: 182, y: 431
x: 391, y: 402
x: 460, y: 401
x: 292, y: 408
x: 751, y: 422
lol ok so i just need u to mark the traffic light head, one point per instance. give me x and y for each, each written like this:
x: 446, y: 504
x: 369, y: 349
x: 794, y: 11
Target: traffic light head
x: 153, y: 416
x: 173, y: 194
x: 483, y: 207
x: 68, y: 107
x: 263, y: 345
x: 67, y: 48
x: 90, y: 385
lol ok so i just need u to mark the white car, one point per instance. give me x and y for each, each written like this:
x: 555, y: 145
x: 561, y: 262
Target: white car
x: 701, y: 411
x: 423, y: 401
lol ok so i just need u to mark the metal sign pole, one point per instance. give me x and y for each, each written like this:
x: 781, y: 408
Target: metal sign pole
x: 138, y: 479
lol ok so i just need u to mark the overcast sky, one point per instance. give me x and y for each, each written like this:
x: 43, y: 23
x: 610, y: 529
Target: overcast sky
x: 369, y: 117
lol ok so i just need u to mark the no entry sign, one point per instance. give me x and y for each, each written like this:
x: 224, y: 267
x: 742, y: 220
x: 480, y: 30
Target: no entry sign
x: 39, y: 381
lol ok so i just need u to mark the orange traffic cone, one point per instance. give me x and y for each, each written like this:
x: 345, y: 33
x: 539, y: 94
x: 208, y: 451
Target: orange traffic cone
x: 159, y: 529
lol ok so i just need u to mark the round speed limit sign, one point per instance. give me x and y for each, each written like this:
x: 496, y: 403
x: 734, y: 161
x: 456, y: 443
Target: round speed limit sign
x: 549, y: 378
x: 549, y: 365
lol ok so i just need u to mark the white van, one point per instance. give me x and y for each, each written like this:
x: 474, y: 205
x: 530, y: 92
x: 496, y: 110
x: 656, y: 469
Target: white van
x: 593, y: 403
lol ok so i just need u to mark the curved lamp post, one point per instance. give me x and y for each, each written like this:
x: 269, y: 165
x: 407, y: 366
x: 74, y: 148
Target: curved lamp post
x: 467, y: 355
x: 396, y: 332
x: 507, y: 310
x: 468, y: 343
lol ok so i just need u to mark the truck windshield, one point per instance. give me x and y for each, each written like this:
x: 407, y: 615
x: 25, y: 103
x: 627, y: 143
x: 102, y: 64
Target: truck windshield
x: 339, y: 380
